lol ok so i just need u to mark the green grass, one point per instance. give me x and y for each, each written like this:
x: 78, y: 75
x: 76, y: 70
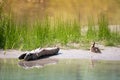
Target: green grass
x: 39, y: 34
x: 104, y: 32
x: 53, y: 32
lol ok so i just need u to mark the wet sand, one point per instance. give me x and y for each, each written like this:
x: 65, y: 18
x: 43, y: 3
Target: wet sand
x: 108, y: 53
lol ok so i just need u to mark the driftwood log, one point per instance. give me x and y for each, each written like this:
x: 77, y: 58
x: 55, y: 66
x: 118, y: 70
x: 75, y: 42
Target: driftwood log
x: 39, y: 53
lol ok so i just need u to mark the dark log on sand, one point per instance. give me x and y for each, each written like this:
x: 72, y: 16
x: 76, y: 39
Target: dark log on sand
x: 39, y: 53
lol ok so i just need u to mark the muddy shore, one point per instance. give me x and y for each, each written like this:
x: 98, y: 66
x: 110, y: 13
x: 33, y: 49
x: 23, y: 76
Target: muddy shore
x: 108, y: 53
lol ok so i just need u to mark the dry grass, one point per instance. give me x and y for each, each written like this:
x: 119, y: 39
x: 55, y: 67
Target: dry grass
x: 76, y: 9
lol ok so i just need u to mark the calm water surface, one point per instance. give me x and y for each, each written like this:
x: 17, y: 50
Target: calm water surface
x: 67, y: 69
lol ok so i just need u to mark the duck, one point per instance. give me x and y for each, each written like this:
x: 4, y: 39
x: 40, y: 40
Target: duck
x: 94, y: 49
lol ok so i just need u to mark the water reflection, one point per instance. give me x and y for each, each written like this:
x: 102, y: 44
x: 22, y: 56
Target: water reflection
x: 37, y: 63
x: 65, y: 69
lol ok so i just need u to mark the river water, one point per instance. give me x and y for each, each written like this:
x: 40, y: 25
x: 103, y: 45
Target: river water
x: 63, y: 69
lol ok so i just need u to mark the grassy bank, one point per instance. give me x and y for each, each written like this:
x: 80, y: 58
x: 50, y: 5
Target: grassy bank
x: 39, y: 34
x: 54, y: 32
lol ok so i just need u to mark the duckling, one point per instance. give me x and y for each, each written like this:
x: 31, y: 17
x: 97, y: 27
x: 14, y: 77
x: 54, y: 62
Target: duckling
x: 94, y: 49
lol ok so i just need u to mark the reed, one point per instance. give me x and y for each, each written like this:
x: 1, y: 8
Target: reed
x: 104, y: 31
x: 91, y: 33
x: 46, y: 33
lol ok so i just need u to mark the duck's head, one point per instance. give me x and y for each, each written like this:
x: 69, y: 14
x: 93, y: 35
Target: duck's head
x: 93, y: 44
